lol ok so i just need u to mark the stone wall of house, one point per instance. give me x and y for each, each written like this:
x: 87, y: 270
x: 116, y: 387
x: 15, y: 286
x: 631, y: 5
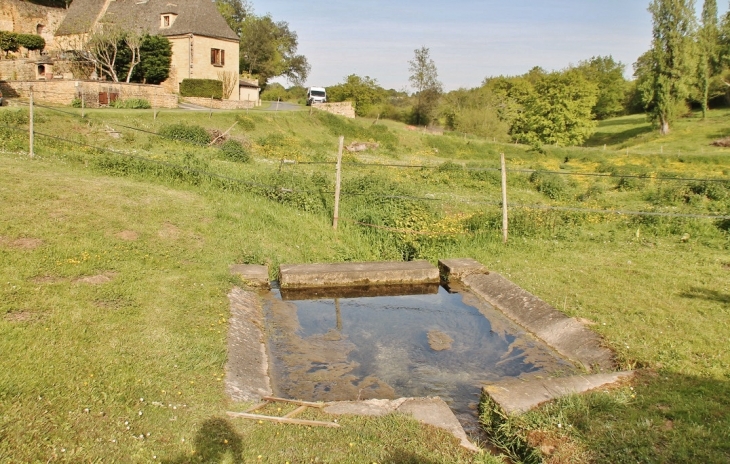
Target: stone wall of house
x: 63, y: 92
x: 341, y: 109
x: 29, y: 18
x: 199, y: 48
x: 221, y: 104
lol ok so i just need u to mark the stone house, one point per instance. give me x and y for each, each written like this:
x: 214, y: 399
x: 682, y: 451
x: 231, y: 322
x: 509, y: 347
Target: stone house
x: 203, y: 45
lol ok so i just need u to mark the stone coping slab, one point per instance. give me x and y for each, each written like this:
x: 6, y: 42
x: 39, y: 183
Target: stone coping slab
x: 459, y: 268
x: 432, y: 411
x: 247, y: 370
x: 566, y: 335
x: 254, y: 275
x: 516, y: 396
x: 357, y: 274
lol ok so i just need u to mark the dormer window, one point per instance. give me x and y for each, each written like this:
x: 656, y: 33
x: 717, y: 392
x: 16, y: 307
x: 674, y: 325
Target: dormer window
x: 166, y: 20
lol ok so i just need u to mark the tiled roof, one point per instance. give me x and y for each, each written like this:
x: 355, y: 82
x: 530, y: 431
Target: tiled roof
x: 199, y: 17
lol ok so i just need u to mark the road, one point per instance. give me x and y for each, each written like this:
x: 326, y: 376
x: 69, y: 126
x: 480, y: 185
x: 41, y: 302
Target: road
x: 281, y: 106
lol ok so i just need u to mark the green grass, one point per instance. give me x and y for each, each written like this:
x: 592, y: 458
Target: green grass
x: 79, y: 358
x: 655, y: 288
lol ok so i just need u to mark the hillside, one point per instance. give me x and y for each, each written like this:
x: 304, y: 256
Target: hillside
x: 115, y: 244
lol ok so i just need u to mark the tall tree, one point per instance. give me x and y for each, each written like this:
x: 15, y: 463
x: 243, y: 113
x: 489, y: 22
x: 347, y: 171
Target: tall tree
x: 269, y: 49
x: 709, y: 59
x: 235, y: 13
x: 608, y: 75
x: 671, y: 64
x: 424, y: 79
x: 557, y: 111
x: 103, y: 47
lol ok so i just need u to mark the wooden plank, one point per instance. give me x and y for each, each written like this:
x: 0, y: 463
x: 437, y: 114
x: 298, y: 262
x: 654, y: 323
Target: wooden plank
x: 297, y: 411
x: 283, y: 420
x: 301, y: 403
x: 258, y: 406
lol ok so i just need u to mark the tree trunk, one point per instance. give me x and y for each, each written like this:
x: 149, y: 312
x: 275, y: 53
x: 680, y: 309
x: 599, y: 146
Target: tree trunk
x: 664, y: 129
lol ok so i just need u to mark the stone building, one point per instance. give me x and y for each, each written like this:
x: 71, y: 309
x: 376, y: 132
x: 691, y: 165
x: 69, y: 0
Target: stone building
x: 203, y: 45
x: 29, y: 18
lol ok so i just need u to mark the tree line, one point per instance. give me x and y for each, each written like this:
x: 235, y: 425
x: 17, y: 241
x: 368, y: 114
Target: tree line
x: 687, y: 66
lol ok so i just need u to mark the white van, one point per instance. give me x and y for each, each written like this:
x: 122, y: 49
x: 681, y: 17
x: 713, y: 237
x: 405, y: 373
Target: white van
x: 316, y: 95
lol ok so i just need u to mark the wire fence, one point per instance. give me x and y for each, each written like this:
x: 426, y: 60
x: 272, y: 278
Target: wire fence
x: 504, y: 171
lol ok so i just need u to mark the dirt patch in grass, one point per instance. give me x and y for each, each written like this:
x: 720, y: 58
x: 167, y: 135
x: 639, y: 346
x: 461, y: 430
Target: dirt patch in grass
x: 96, y: 279
x: 169, y: 232
x: 557, y: 449
x: 22, y: 316
x: 128, y: 235
x: 47, y: 279
x: 23, y: 243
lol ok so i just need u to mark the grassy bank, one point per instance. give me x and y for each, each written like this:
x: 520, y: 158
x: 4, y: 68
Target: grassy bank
x: 114, y: 278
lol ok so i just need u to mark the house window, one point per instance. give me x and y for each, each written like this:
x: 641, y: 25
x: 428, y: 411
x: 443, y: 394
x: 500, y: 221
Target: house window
x: 166, y: 21
x: 217, y: 57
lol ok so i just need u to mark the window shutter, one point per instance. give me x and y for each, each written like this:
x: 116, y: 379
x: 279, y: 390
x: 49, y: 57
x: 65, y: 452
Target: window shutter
x: 223, y: 57
x: 212, y: 56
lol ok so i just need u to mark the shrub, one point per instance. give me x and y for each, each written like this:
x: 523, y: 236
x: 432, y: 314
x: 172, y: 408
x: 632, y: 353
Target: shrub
x: 15, y: 118
x: 246, y: 123
x: 551, y: 185
x: 76, y: 103
x: 191, y: 134
x: 132, y: 104
x: 628, y: 184
x: 232, y: 150
x: 201, y: 88
x: 31, y: 41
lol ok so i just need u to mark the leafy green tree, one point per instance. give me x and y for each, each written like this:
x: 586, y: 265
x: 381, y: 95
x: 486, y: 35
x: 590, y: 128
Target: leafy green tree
x: 155, y: 59
x: 475, y: 111
x: 9, y: 42
x: 608, y: 75
x: 668, y: 72
x: 364, y: 92
x: 269, y: 49
x: 424, y: 79
x: 558, y: 111
x: 709, y: 57
x: 235, y: 13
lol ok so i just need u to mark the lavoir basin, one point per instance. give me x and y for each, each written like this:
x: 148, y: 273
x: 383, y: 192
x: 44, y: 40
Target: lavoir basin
x: 342, y: 344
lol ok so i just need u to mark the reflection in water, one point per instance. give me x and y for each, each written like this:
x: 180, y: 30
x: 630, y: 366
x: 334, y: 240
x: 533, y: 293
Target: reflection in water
x: 378, y: 347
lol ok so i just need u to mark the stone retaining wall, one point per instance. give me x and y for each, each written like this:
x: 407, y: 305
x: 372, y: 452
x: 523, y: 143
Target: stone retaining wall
x: 17, y: 69
x: 341, y: 109
x: 63, y: 92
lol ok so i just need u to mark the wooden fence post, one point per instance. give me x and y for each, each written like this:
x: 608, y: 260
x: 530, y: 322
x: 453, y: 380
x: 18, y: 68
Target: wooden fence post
x: 338, y: 181
x: 504, y: 198
x: 30, y: 125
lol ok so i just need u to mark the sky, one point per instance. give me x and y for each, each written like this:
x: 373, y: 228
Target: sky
x: 468, y: 40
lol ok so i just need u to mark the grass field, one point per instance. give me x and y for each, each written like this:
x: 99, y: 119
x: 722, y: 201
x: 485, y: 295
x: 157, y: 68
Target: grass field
x: 114, y: 278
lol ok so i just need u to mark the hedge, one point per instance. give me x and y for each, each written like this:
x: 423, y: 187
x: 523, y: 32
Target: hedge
x: 202, y: 88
